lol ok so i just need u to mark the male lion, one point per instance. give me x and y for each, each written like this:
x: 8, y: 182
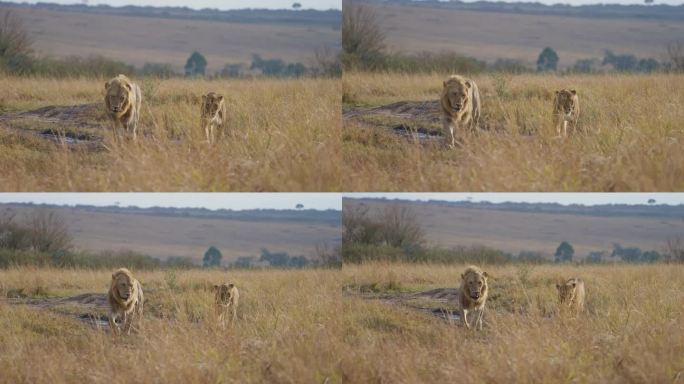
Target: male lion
x: 213, y: 115
x: 125, y: 300
x: 123, y: 101
x: 565, y: 109
x: 226, y: 296
x: 460, y: 105
x: 473, y: 294
x: 571, y: 293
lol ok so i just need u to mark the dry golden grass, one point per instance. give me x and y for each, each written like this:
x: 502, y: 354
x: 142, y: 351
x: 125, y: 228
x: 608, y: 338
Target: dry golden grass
x: 286, y: 332
x: 632, y: 138
x: 632, y: 331
x: 304, y: 327
x: 284, y: 135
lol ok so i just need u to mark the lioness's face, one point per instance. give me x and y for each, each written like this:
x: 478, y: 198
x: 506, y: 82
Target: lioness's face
x: 566, y: 100
x: 117, y: 98
x: 475, y: 285
x: 212, y: 103
x: 124, y: 287
x: 457, y: 94
x: 566, y: 292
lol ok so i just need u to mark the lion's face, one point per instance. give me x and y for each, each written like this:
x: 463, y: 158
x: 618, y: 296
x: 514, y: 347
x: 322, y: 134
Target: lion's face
x: 222, y: 293
x: 566, y: 101
x: 475, y: 285
x: 117, y: 97
x: 123, y: 286
x: 457, y: 94
x: 567, y: 292
x: 211, y: 103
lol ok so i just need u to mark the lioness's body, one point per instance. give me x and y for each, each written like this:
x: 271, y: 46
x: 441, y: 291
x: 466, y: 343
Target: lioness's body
x: 123, y: 100
x: 571, y: 294
x: 565, y: 110
x: 226, y: 297
x: 125, y: 300
x: 473, y: 295
x: 213, y: 114
x: 460, y: 104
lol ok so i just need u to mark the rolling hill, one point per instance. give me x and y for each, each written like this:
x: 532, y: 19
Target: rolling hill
x: 504, y: 32
x: 139, y: 35
x: 512, y: 229
x: 189, y: 232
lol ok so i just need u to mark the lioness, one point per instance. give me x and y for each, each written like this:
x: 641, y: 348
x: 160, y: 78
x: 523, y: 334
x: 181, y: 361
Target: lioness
x: 213, y: 114
x: 565, y: 109
x: 571, y: 294
x: 226, y: 296
x: 473, y: 294
x: 460, y: 105
x: 123, y: 99
x: 125, y: 300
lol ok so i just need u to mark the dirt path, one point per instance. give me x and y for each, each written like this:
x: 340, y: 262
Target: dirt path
x: 78, y: 126
x: 87, y: 307
x: 419, y: 120
x: 440, y: 302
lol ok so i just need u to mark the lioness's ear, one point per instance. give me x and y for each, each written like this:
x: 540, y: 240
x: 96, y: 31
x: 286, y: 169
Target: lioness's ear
x: 485, y: 274
x: 557, y: 286
x: 107, y: 85
x: 468, y: 84
x: 574, y: 284
x: 204, y: 97
x: 573, y: 91
x: 231, y: 285
x: 444, y: 83
x: 113, y: 275
x: 462, y: 276
x: 216, y: 287
x: 220, y: 98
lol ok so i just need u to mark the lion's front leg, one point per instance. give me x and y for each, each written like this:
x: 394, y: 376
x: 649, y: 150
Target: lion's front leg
x: 448, y: 125
x: 464, y: 312
x: 127, y: 321
x: 480, y: 315
x: 112, y: 323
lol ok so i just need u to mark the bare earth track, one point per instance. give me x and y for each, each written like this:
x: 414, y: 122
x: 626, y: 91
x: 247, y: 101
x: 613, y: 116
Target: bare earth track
x: 75, y: 126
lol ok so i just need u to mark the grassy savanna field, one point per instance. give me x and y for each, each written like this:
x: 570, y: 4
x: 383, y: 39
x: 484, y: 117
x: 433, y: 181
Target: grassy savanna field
x: 288, y: 329
x: 631, y: 331
x: 351, y: 326
x: 282, y: 135
x: 630, y: 137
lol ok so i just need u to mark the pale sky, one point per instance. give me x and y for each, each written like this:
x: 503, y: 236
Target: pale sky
x: 585, y: 2
x: 198, y: 4
x: 235, y: 201
x: 561, y: 198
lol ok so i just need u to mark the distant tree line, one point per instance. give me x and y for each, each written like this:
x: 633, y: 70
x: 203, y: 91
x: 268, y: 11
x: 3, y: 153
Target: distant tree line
x: 394, y: 233
x: 18, y: 58
x: 327, y: 258
x: 364, y: 49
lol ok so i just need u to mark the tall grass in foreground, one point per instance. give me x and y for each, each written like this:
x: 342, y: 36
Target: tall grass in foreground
x: 306, y: 327
x: 283, y: 135
x: 630, y: 333
x: 631, y: 139
x: 286, y: 331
